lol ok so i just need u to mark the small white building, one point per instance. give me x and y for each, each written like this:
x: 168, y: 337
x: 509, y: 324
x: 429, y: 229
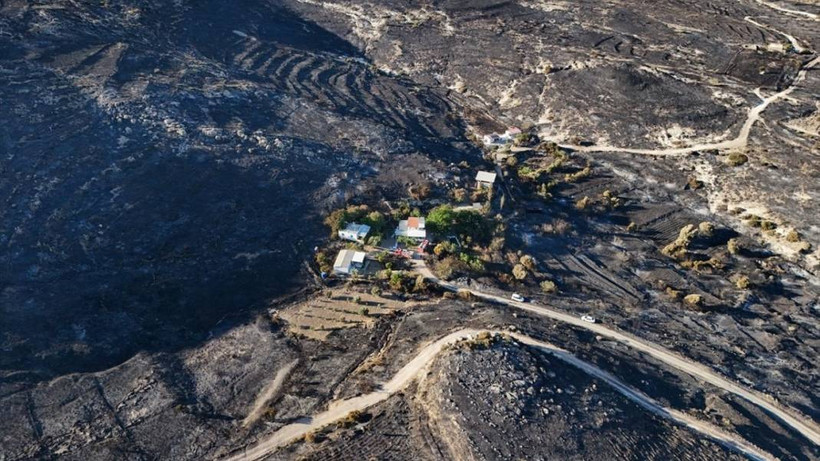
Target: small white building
x: 354, y: 232
x: 493, y: 139
x: 485, y: 179
x: 349, y: 262
x: 412, y: 227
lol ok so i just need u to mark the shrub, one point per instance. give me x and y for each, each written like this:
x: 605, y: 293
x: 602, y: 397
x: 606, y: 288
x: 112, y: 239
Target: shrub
x: 678, y: 248
x: 525, y: 139
x: 673, y: 293
x: 693, y: 300
x: 526, y: 172
x: 352, y: 418
x: 632, y: 227
x: 737, y: 159
x: 465, y: 295
x: 793, y: 236
x: 585, y: 173
x: 480, y: 194
x: 450, y: 267
x: 743, y: 282
x: 583, y: 203
x: 401, y: 211
x: 323, y: 262
x: 364, y: 311
x: 610, y: 200
x: 459, y: 195
x: 544, y: 191
x: 557, y: 227
x: 519, y: 272
x: 733, y: 246
x: 444, y: 249
x: 695, y: 183
x: 419, y: 191
x: 528, y: 262
x: 706, y: 229
x: 376, y: 291
x: 548, y: 286
x: 397, y: 280
x: 420, y: 285
x: 753, y: 220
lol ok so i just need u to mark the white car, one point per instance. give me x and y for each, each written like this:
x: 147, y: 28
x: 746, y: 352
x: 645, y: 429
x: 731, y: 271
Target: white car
x: 517, y: 297
x: 589, y: 318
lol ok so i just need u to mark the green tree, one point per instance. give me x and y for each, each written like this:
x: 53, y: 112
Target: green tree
x: 440, y: 219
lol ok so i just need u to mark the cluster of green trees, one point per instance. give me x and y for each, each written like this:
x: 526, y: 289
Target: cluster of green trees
x: 361, y: 214
x: 469, y: 225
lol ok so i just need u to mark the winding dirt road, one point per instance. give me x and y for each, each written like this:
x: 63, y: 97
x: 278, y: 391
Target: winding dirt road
x: 738, y: 142
x: 419, y: 367
x: 802, y: 424
x: 788, y: 11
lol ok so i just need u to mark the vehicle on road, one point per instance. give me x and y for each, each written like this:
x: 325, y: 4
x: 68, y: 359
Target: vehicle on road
x: 518, y: 297
x: 589, y: 318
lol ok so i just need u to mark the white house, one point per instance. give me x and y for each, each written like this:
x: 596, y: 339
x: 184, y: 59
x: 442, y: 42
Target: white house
x: 493, y: 140
x: 412, y: 227
x: 349, y: 262
x: 354, y: 232
x: 485, y: 179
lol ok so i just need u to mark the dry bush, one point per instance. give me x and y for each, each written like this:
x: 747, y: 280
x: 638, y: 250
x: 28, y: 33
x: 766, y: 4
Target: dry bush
x: 583, y: 204
x: 548, y: 286
x: 693, y: 300
x: 736, y: 159
x: 528, y: 262
x: 673, y: 293
x: 519, y: 272
x: 734, y: 247
x: 459, y: 195
x: 742, y: 282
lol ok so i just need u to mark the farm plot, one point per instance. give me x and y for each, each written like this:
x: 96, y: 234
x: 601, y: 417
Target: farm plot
x: 321, y: 316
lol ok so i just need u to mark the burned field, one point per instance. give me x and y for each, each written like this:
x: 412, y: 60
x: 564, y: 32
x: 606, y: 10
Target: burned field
x: 164, y: 180
x: 170, y: 172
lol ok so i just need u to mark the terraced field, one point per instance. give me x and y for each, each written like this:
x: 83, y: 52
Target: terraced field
x: 321, y: 316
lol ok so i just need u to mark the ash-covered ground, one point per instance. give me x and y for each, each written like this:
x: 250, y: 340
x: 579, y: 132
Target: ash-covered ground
x: 165, y: 168
x: 162, y: 170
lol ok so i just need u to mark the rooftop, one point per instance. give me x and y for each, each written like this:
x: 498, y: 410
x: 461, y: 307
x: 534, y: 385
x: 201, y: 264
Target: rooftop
x: 485, y: 176
x: 415, y: 223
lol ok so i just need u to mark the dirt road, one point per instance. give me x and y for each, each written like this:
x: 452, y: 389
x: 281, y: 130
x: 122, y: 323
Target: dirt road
x: 419, y: 366
x: 341, y: 408
x: 787, y: 10
x: 795, y: 43
x: 802, y: 424
x: 738, y: 142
